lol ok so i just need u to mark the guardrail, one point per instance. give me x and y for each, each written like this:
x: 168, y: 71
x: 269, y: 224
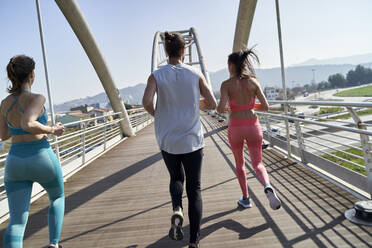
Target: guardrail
x: 336, y: 148
x: 82, y: 142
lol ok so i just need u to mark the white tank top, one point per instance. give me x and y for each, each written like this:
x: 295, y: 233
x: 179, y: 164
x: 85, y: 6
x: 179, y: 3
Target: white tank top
x: 177, y: 119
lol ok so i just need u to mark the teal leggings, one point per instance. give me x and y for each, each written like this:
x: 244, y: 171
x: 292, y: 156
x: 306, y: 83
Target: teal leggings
x: 30, y: 162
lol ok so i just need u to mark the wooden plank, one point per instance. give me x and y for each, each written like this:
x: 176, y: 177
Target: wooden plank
x: 122, y: 200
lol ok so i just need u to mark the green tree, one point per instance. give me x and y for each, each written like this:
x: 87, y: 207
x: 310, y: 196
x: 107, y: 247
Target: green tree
x: 361, y: 75
x: 352, y: 78
x: 324, y: 85
x: 337, y: 80
x: 128, y: 106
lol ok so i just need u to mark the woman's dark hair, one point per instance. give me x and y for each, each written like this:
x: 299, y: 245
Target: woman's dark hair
x: 242, y: 61
x: 19, y: 69
x: 174, y: 42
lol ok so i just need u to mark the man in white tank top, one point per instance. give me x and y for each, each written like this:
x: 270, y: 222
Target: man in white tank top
x: 178, y: 130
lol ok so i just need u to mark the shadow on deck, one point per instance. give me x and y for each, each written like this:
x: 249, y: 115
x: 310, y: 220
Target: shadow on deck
x: 122, y: 200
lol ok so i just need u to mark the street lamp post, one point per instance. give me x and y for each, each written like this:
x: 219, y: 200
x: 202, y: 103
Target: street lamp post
x: 283, y: 76
x: 313, y: 70
x: 50, y: 99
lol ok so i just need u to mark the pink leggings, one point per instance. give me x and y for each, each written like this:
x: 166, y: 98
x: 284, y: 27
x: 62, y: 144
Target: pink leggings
x: 249, y: 130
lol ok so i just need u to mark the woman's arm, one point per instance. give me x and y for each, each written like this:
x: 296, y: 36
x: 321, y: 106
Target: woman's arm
x: 148, y: 96
x: 29, y: 121
x: 4, y: 130
x: 264, y: 105
x: 223, y: 98
x: 208, y: 102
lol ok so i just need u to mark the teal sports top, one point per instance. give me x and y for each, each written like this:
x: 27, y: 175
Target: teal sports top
x: 43, y: 118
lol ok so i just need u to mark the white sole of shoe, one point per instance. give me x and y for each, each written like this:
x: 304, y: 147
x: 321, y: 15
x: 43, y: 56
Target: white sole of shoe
x: 244, y: 205
x: 275, y: 203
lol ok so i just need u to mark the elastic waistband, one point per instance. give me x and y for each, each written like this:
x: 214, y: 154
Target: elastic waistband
x: 244, y: 122
x: 41, y: 143
x: 28, y: 148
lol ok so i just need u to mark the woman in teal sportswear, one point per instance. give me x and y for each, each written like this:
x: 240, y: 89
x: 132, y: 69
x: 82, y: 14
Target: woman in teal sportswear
x: 30, y: 159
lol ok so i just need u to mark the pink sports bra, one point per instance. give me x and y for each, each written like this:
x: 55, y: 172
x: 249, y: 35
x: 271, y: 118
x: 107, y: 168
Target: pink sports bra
x: 236, y: 107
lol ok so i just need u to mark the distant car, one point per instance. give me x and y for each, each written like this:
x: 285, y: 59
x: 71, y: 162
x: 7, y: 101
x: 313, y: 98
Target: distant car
x: 212, y: 113
x: 274, y: 131
x: 264, y: 145
x: 301, y: 115
x: 306, y: 94
x: 298, y: 115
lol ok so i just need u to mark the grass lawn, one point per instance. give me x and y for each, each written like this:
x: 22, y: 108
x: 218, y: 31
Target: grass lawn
x: 328, y: 110
x: 346, y: 116
x: 348, y: 157
x: 358, y: 92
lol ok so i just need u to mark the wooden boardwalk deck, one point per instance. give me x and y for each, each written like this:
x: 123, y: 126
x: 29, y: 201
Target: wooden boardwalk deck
x: 122, y: 200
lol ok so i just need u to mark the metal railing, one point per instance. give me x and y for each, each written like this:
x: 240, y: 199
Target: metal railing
x: 340, y: 149
x: 82, y: 142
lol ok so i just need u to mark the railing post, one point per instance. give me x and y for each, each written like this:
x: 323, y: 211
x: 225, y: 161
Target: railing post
x: 104, y: 132
x: 83, y: 142
x: 268, y: 128
x: 288, y: 135
x: 300, y: 139
x: 269, y: 132
x: 190, y: 49
x: 366, y: 146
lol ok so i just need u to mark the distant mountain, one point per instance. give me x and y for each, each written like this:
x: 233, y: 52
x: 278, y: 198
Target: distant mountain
x: 354, y: 60
x: 295, y: 75
x: 131, y: 95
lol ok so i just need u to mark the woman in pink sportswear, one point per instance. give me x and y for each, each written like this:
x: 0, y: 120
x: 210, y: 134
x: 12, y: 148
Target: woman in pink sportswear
x: 241, y: 90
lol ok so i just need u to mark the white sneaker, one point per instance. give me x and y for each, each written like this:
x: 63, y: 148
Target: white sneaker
x: 245, y: 203
x: 274, y: 200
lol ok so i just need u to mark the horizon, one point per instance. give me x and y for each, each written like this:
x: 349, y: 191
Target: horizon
x: 263, y: 85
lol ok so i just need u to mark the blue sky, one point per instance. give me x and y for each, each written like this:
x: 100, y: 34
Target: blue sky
x: 124, y: 30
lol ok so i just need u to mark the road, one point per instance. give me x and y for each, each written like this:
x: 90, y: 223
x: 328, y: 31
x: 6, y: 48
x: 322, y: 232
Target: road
x: 327, y: 95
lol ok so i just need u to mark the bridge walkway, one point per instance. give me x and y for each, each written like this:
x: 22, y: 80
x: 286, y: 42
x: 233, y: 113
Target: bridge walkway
x: 121, y: 200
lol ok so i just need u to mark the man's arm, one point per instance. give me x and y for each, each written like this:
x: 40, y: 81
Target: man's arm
x: 208, y: 102
x: 148, y: 96
x: 223, y: 99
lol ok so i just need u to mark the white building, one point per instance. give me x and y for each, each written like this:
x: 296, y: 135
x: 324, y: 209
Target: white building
x: 271, y: 93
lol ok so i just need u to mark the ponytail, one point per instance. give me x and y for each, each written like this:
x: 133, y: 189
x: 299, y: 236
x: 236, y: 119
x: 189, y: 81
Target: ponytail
x: 18, y: 70
x: 242, y: 61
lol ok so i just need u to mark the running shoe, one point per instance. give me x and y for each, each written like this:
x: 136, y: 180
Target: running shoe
x: 245, y: 203
x: 274, y: 200
x: 197, y: 246
x: 264, y: 145
x: 175, y: 232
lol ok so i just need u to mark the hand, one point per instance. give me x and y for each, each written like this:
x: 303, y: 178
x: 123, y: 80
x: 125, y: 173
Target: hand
x: 257, y: 106
x: 58, y: 129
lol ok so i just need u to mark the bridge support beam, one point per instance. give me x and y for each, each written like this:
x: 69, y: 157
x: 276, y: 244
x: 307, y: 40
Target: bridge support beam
x: 79, y: 25
x: 244, y: 23
x: 203, y: 66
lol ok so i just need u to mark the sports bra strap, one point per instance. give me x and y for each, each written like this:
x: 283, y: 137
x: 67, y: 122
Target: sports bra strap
x: 19, y: 106
x: 11, y: 106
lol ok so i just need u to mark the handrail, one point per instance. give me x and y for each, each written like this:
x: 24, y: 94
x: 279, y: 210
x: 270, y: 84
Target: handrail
x: 349, y: 129
x: 90, y: 119
x: 324, y: 103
